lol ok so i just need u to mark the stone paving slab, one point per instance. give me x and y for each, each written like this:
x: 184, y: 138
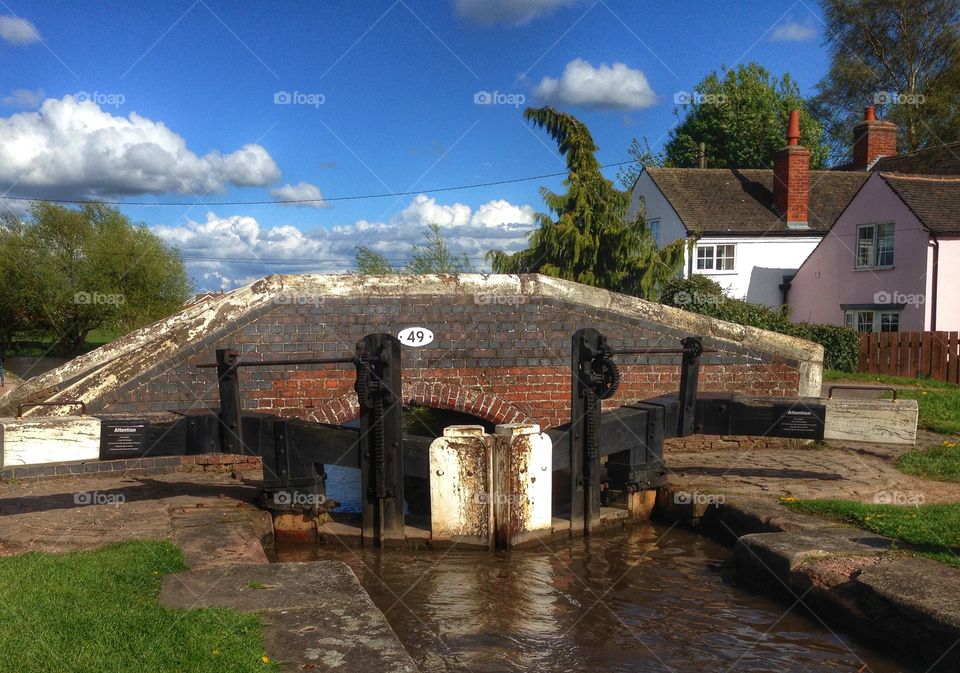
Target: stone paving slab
x: 89, y: 512
x: 316, y: 614
x: 805, y: 472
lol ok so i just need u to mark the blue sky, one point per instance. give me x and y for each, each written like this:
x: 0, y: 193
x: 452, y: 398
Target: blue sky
x: 206, y: 101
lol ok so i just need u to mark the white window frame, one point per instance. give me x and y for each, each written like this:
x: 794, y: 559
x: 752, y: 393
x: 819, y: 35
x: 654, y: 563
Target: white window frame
x: 715, y: 258
x: 874, y: 250
x: 853, y: 318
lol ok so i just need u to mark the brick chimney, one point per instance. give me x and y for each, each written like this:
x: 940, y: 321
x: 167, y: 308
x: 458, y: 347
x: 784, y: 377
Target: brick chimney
x: 791, y: 178
x: 872, y: 139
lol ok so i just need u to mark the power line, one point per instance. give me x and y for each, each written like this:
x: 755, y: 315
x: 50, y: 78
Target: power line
x: 359, y: 197
x: 322, y: 260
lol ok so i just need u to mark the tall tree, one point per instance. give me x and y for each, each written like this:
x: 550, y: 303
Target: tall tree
x: 77, y: 270
x: 740, y: 116
x: 586, y: 236
x: 13, y: 309
x: 903, y: 56
x: 433, y: 257
x: 643, y: 156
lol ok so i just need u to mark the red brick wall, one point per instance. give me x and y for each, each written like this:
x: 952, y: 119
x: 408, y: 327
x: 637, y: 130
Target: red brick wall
x: 498, y: 361
x: 506, y: 394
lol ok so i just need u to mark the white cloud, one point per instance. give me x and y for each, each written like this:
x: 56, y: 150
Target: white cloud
x: 302, y: 191
x: 24, y: 98
x: 71, y: 149
x: 793, y: 31
x: 238, y: 249
x: 18, y: 31
x: 513, y: 12
x: 606, y: 86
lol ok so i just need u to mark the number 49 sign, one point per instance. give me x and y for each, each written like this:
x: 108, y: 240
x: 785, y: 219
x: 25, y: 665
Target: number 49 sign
x: 415, y: 336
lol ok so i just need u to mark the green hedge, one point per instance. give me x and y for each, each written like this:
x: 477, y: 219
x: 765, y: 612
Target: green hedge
x: 703, y: 295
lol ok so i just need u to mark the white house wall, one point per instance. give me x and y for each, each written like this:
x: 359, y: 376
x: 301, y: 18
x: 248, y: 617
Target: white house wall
x: 760, y: 263
x: 671, y: 227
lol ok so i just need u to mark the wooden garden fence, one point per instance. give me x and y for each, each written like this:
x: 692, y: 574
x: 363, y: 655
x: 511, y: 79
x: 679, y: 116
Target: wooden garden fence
x: 933, y: 354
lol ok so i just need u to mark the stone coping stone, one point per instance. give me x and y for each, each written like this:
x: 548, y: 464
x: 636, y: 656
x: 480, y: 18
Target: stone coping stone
x: 316, y: 614
x: 923, y: 589
x: 782, y: 553
x: 856, y: 578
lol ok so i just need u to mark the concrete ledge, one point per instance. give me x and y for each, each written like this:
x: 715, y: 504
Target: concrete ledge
x: 33, y: 441
x: 866, y: 420
x: 316, y: 615
x: 854, y: 579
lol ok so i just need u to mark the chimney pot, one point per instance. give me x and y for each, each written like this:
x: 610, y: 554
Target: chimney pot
x: 793, y: 128
x: 872, y: 139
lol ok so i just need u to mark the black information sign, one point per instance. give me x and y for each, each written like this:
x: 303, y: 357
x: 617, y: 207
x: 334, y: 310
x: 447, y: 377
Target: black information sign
x: 803, y: 421
x: 798, y: 421
x: 122, y: 438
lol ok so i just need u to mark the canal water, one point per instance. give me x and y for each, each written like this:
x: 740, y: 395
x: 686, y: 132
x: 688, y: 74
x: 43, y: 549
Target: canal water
x: 644, y: 598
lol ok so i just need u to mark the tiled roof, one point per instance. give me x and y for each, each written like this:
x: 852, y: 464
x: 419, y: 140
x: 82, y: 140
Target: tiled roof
x: 740, y: 201
x: 939, y: 160
x: 933, y: 199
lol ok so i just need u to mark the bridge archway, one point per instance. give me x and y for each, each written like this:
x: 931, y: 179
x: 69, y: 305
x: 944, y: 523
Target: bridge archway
x: 436, y: 395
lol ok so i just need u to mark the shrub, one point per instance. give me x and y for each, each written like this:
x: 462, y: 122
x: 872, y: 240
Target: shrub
x: 703, y: 295
x: 841, y: 345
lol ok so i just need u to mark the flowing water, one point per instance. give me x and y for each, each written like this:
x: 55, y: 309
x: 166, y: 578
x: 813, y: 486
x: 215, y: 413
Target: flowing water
x: 645, y: 598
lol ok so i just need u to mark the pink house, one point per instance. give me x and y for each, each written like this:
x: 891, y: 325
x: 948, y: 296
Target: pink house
x: 890, y: 262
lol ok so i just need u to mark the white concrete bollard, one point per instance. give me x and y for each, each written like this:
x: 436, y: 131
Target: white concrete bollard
x: 460, y: 478
x: 523, y: 484
x: 36, y: 441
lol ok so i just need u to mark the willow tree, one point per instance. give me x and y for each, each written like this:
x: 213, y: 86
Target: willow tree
x: 587, y: 236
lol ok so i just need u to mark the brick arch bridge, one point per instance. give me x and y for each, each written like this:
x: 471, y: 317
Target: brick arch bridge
x: 489, y: 407
x: 501, y: 350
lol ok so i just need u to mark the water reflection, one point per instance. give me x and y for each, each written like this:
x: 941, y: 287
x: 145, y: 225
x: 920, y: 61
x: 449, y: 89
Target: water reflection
x: 641, y: 599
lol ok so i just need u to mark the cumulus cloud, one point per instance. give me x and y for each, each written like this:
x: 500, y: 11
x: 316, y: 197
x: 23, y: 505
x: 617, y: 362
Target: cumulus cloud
x: 24, y: 98
x: 793, y: 31
x: 300, y: 192
x: 73, y: 149
x: 15, y: 30
x: 607, y: 86
x: 224, y: 252
x: 512, y: 12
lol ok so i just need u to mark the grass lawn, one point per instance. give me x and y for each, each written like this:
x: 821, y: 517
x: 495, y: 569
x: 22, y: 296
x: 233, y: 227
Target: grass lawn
x: 98, y: 612
x: 937, y: 462
x: 39, y: 345
x: 928, y: 530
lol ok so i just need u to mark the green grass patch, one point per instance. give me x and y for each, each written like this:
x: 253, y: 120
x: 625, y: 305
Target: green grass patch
x: 99, y: 612
x: 936, y: 462
x: 928, y: 530
x: 38, y: 344
x: 939, y: 409
x: 879, y: 379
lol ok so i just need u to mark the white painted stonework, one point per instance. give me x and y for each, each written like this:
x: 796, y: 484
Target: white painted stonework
x: 36, y: 441
x: 460, y: 486
x: 532, y: 455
